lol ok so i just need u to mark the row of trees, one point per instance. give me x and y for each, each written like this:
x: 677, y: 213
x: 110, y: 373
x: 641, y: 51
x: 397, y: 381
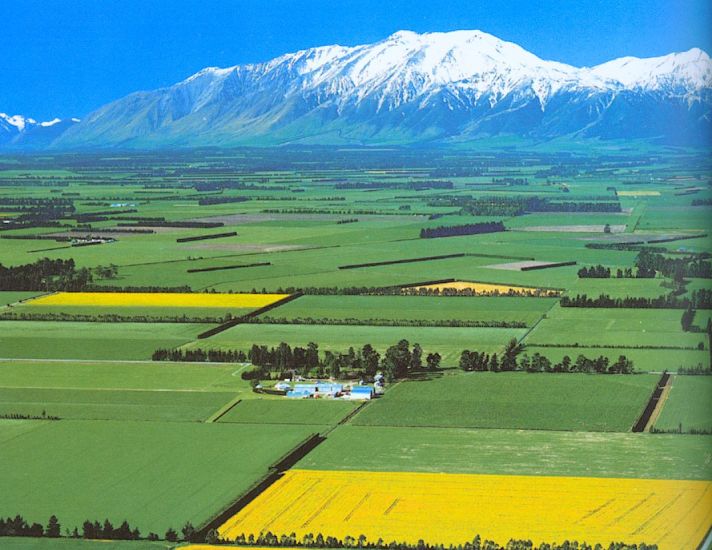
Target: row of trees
x: 398, y: 361
x: 318, y: 540
x: 479, y: 361
x: 200, y: 355
x: 19, y: 527
x: 458, y: 230
x: 516, y: 206
x: 380, y: 322
x: 699, y: 299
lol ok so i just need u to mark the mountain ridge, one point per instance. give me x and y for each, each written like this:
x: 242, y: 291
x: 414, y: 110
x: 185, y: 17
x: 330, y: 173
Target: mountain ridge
x: 413, y: 88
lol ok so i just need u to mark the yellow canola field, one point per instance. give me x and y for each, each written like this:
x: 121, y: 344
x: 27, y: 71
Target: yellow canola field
x: 162, y: 299
x: 453, y: 508
x: 487, y: 288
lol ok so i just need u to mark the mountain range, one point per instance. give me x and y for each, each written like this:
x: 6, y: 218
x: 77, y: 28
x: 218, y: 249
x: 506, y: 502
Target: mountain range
x: 444, y: 88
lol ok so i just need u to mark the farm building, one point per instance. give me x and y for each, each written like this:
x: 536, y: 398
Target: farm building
x: 317, y: 389
x: 360, y: 392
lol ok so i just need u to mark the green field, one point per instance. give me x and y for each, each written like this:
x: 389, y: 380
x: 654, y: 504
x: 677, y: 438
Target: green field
x: 163, y: 443
x: 117, y: 375
x: 576, y: 402
x: 282, y: 411
x: 688, y: 405
x: 155, y: 475
x: 520, y: 452
x: 71, y: 340
x: 96, y: 404
x: 448, y: 341
x: 567, y: 326
x: 10, y: 297
x: 421, y: 308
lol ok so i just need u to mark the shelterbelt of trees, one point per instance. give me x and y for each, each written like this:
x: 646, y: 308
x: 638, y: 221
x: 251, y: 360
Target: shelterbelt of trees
x: 648, y: 264
x: 19, y: 527
x: 699, y: 299
x: 397, y: 362
x: 458, y: 230
x: 478, y: 543
x: 518, y: 206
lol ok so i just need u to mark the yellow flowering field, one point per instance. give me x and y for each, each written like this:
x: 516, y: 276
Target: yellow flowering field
x: 488, y: 288
x: 163, y: 299
x: 452, y: 508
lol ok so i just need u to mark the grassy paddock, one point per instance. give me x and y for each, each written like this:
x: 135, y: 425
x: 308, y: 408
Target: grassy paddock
x: 73, y: 340
x: 144, y: 472
x: 515, y: 452
x: 282, y: 411
x: 112, y: 404
x: 577, y: 402
x: 688, y: 404
x: 526, y: 310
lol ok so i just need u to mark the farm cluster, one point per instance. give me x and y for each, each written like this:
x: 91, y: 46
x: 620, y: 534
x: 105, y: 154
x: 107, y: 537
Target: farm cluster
x: 356, y: 348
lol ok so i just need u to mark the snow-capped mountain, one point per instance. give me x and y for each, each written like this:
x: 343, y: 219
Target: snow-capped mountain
x: 17, y: 131
x: 414, y: 88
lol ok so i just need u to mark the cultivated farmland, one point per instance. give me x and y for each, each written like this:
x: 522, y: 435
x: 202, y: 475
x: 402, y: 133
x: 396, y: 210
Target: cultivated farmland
x: 139, y: 471
x: 515, y: 400
x: 453, y: 508
x: 688, y: 406
x: 139, y: 375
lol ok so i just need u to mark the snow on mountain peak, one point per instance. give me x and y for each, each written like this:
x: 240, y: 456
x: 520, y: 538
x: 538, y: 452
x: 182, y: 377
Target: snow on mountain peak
x: 18, y: 121
x: 691, y: 70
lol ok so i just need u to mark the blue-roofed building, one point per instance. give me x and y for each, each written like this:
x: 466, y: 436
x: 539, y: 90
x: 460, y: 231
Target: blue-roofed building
x: 361, y: 392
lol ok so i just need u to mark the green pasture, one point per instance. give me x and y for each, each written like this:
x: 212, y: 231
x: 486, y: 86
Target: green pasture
x: 567, y: 326
x: 8, y: 297
x: 154, y: 475
x: 121, y: 375
x: 420, y: 308
x: 284, y: 411
x: 688, y: 405
x: 512, y: 452
x: 84, y: 340
x: 96, y: 404
x: 574, y: 402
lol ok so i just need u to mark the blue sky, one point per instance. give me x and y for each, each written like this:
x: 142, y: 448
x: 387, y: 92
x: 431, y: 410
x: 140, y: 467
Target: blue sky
x: 67, y: 57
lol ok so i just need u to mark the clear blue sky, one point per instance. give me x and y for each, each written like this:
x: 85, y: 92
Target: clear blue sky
x: 67, y: 57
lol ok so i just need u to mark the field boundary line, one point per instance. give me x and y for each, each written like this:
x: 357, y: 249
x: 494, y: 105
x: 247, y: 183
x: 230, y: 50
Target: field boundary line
x: 543, y: 316
x: 275, y: 472
x: 234, y: 322
x: 652, y: 404
x: 659, y: 407
x: 222, y: 411
x: 706, y: 543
